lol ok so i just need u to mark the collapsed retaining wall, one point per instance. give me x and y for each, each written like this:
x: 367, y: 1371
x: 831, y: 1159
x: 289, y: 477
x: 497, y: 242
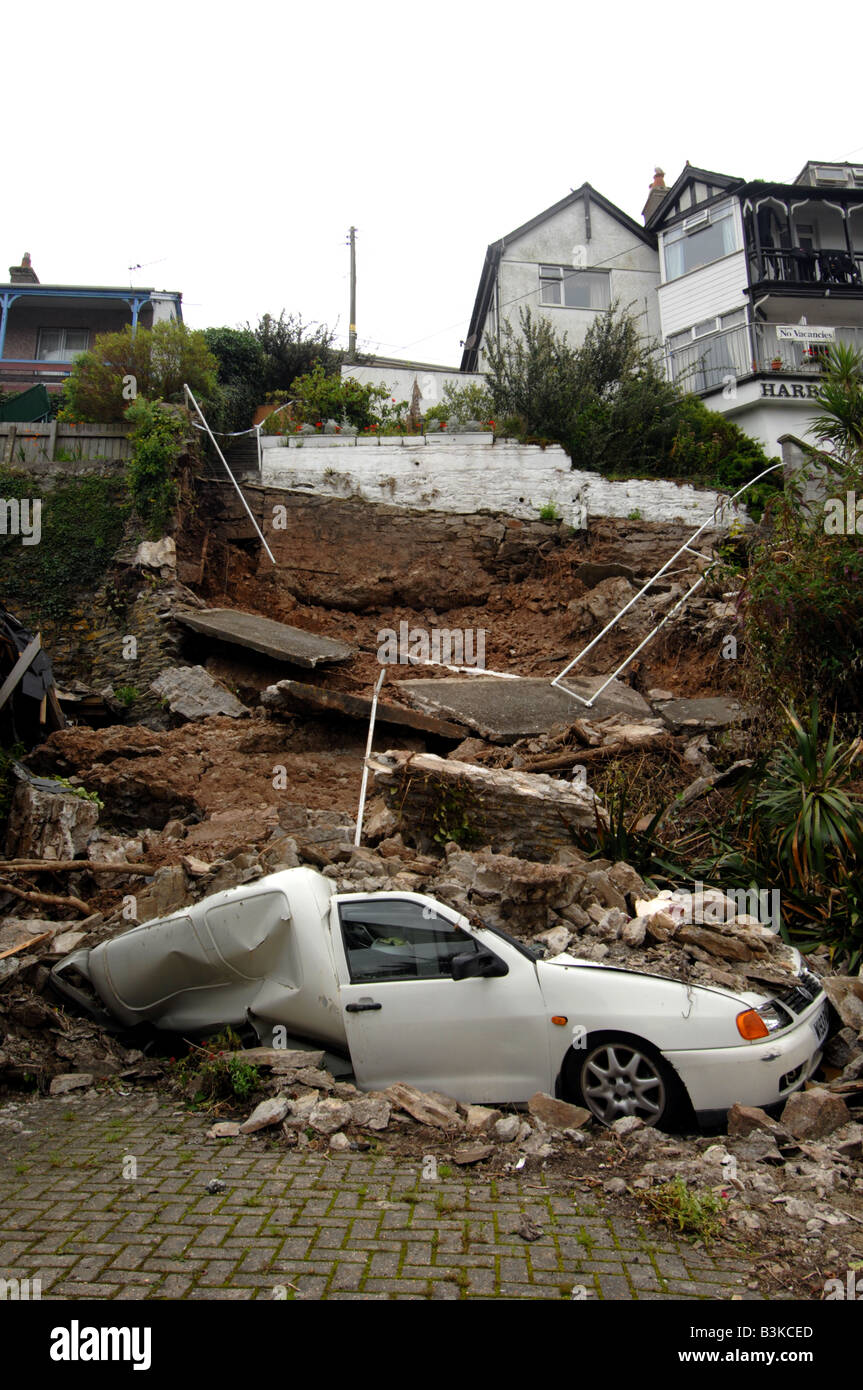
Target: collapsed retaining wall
x: 473, y: 473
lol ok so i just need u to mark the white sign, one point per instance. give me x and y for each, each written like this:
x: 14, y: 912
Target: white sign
x: 803, y: 333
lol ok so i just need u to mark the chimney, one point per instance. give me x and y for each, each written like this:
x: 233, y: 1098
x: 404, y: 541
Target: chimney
x: 655, y: 196
x: 23, y: 274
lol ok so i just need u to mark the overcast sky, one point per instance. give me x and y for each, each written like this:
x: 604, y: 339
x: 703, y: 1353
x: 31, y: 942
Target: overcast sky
x: 227, y: 149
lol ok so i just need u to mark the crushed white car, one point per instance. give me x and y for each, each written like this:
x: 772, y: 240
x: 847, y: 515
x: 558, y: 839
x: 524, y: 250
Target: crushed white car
x: 407, y: 989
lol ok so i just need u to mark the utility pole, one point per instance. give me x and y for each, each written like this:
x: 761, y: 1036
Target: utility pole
x: 352, y: 327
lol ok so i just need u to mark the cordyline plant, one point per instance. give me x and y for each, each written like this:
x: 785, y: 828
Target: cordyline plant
x: 802, y: 800
x: 840, y: 396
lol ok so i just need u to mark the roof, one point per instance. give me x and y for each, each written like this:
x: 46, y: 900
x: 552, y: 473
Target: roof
x: 127, y: 291
x: 690, y: 174
x: 496, y: 249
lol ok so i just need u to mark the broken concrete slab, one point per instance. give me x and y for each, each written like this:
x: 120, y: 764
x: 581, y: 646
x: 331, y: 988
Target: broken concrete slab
x: 296, y: 697
x: 502, y: 710
x: 191, y: 693
x: 439, y: 799
x: 277, y: 640
x: 558, y: 1114
x: 70, y: 1081
x: 714, y: 712
x: 423, y: 1107
x: 269, y: 1112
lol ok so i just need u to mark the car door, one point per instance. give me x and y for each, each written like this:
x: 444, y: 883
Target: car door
x: 407, y: 1019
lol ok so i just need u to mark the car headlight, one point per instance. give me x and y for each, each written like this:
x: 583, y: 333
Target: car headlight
x: 760, y: 1023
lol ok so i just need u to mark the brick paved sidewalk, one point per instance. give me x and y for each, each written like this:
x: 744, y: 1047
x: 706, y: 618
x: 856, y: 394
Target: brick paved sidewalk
x: 298, y: 1224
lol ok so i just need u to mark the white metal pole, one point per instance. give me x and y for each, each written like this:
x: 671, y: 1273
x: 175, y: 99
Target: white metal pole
x: 229, y: 473
x: 358, y: 833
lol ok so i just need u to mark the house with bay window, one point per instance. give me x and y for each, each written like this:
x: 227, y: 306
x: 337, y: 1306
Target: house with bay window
x: 43, y: 327
x: 757, y: 279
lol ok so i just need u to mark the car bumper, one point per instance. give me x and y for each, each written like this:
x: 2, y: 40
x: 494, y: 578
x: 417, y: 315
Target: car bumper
x: 760, y: 1073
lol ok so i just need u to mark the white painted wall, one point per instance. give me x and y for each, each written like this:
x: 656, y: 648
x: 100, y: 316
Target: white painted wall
x: 164, y: 307
x: 399, y: 381
x: 562, y: 240
x: 712, y: 289
x: 767, y: 416
x: 468, y: 473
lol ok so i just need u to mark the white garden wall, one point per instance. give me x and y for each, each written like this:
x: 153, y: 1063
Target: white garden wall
x: 470, y: 473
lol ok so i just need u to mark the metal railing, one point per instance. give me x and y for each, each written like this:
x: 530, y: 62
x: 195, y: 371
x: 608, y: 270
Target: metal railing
x: 706, y: 363
x: 794, y: 266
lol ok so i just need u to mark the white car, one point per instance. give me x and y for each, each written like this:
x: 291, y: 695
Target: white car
x: 408, y: 990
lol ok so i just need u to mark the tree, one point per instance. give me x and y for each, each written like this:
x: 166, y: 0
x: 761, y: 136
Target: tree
x: 242, y: 368
x: 154, y: 363
x: 292, y: 348
x: 611, y: 408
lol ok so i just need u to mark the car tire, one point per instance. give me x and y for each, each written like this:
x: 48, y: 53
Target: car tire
x: 618, y: 1074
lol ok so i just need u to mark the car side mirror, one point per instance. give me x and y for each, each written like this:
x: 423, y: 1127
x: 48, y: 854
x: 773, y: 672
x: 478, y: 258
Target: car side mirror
x: 478, y: 964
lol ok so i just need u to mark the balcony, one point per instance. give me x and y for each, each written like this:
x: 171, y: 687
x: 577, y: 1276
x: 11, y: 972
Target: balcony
x: 708, y: 363
x: 813, y: 270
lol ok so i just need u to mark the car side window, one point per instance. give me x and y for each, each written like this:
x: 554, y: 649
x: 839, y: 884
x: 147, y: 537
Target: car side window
x: 400, y: 940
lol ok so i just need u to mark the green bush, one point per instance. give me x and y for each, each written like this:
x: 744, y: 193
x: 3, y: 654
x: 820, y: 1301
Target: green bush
x: 161, y: 360
x: 156, y: 435
x: 83, y: 521
x: 320, y: 397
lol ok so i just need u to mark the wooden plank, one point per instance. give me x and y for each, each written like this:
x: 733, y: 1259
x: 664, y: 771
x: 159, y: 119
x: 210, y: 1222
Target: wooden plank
x: 22, y: 946
x: 21, y: 665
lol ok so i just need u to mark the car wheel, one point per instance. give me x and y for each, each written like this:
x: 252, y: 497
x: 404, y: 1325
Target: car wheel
x: 617, y: 1076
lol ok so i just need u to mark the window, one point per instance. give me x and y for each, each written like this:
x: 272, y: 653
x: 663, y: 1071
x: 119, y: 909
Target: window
x: 61, y: 344
x: 574, y: 289
x: 401, y: 940
x: 703, y: 355
x: 688, y: 247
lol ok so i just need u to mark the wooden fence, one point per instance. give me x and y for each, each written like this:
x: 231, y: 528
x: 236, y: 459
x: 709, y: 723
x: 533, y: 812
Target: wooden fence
x: 40, y: 447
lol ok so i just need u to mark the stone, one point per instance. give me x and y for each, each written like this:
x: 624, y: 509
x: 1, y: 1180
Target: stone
x: 277, y: 640
x: 70, y: 1081
x: 191, y: 693
x: 296, y: 697
x: 600, y: 885
x: 371, y: 1112
x: 422, y: 1107
x: 269, y: 1112
x: 194, y: 866
x: 48, y: 821
x: 224, y: 1129
x: 166, y: 891
x: 329, y: 1115
x: 839, y: 1050
x: 339, y: 1142
x: 215, y: 1186
x: 314, y: 1076
x: 846, y: 995
x: 555, y: 941
x: 627, y: 1124
x: 743, y: 1120
x: 472, y: 1153
x: 624, y: 878
x: 478, y: 1119
x: 814, y: 1113
x: 557, y: 1114
x: 721, y: 944
x: 615, y: 1186
x: 502, y: 710
x: 506, y: 1129
x: 67, y: 941
x: 527, y: 1229
x: 524, y: 813
x: 714, y: 712
x: 157, y: 555
x: 634, y: 932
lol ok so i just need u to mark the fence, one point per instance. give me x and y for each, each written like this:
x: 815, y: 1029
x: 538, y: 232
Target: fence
x: 40, y: 447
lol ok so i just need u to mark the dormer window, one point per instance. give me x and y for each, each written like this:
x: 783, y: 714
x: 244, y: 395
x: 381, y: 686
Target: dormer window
x: 704, y: 237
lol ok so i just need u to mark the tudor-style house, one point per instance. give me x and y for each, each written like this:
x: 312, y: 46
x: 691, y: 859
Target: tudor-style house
x: 43, y: 327
x: 569, y: 264
x: 757, y: 279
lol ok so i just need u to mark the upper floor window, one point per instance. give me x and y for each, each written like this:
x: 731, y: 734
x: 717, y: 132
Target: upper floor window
x: 574, y: 289
x: 61, y: 344
x: 700, y: 239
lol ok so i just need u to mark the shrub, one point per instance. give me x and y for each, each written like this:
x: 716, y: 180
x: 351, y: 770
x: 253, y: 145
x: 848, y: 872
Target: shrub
x: 157, y: 444
x: 161, y: 360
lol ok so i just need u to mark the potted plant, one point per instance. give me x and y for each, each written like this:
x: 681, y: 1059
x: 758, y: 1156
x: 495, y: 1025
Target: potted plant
x: 776, y: 364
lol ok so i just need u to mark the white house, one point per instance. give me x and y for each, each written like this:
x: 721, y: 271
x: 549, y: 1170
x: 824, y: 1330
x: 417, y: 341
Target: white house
x: 757, y: 280
x: 568, y: 264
